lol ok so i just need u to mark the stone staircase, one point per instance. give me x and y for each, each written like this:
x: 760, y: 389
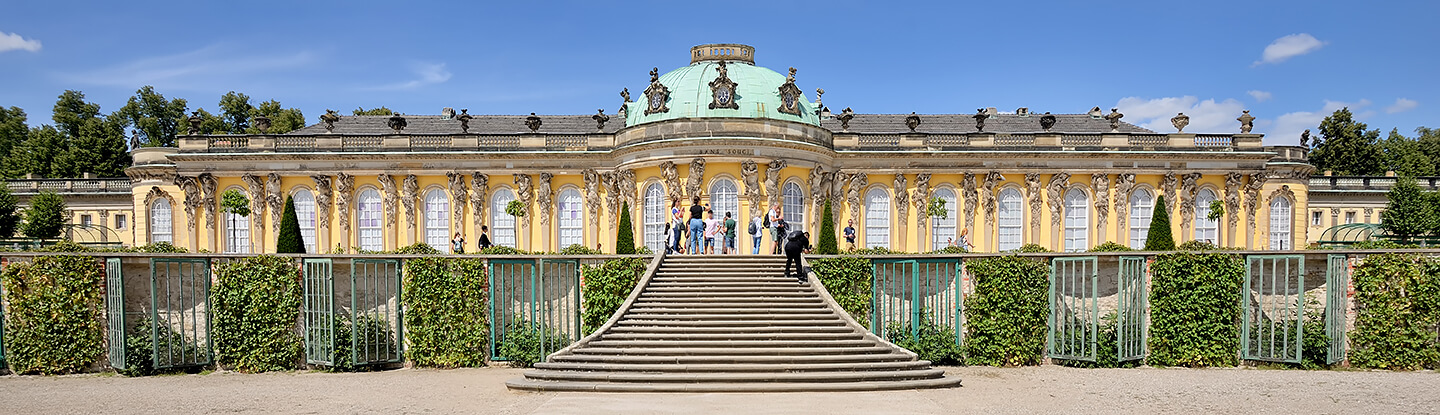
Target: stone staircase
x: 730, y: 324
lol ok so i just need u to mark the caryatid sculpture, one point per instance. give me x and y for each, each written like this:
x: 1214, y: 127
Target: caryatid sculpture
x: 971, y: 197
x: 992, y: 179
x: 391, y: 195
x: 1124, y: 183
x: 479, y: 197
x: 275, y: 200
x: 324, y: 194
x: 544, y: 198
x: 902, y: 199
x: 696, y: 180
x: 772, y: 180
x: 457, y: 198
x: 750, y: 174
x: 345, y: 186
x: 672, y: 180
x: 411, y: 188
x: 526, y: 196
x: 857, y: 184
x: 921, y: 199
x: 592, y: 195
x: 1033, y: 189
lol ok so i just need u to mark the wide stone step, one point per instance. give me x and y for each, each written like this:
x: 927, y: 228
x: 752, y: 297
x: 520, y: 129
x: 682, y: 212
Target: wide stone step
x: 783, y: 288
x: 764, y: 343
x: 716, y: 302
x: 777, y: 309
x: 734, y: 368
x: 729, y: 284
x: 739, y: 323
x: 731, y: 316
x: 845, y: 376
x: 732, y: 336
x: 749, y: 329
x: 730, y: 351
x: 718, y: 387
x: 891, y: 356
x: 728, y: 294
x: 724, y: 277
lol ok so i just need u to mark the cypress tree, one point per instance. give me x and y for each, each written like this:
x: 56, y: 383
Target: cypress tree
x: 290, y: 241
x: 625, y: 237
x: 1158, y: 238
x: 827, y: 245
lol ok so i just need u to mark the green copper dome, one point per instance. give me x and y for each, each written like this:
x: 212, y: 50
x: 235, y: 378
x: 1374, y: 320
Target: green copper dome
x: 757, y: 92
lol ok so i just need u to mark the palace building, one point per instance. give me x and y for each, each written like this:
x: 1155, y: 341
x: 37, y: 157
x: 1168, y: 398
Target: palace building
x: 743, y: 138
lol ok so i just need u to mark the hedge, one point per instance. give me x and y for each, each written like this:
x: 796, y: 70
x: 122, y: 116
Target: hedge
x: 605, y: 288
x: 445, y: 317
x: 1008, y: 312
x: 1195, y: 309
x: 1397, y: 312
x: 54, y: 316
x: 255, y: 309
x: 849, y: 280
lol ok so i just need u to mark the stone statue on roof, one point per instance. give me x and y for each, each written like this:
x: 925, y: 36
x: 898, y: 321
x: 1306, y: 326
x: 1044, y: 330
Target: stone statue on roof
x: 533, y: 122
x: 329, y: 118
x: 654, y: 75
x: 845, y: 117
x: 195, y: 121
x: 1047, y: 121
x: 464, y: 118
x: 600, y: 119
x: 912, y: 121
x: 1180, y: 121
x: 791, y: 77
x: 1247, y: 122
x: 1114, y: 116
x: 625, y: 94
x: 1305, y: 138
x: 980, y: 116
x: 397, y: 123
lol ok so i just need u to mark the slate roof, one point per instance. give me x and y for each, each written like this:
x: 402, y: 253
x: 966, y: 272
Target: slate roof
x: 583, y: 124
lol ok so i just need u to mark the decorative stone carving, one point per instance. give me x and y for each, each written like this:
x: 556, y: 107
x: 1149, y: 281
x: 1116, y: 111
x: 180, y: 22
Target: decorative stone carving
x: 658, y: 94
x: 1167, y: 183
x: 397, y: 122
x: 625, y: 102
x: 533, y: 122
x: 210, y: 187
x: 695, y: 182
x: 1180, y: 121
x: 1252, y: 196
x: 262, y: 123
x: 195, y: 121
x: 1047, y: 121
x: 1032, y: 192
x: 464, y: 118
x: 1305, y: 138
x: 902, y: 199
x: 992, y: 179
x: 845, y: 117
x: 256, y: 186
x: 592, y: 196
x: 545, y: 197
x: 750, y: 174
x: 1058, y: 182
x: 156, y: 193
x: 972, y: 197
x: 772, y: 180
x: 611, y: 182
x: 411, y: 189
x: 912, y: 121
x: 790, y: 95
x: 1232, y: 198
x: 389, y: 194
x: 819, y: 185
x: 1284, y: 191
x: 1188, y: 189
x: 1247, y: 122
x: 458, y: 198
x: 837, y: 180
x: 627, y: 184
x: 600, y: 119
x: 329, y: 118
x: 345, y: 186
x: 1100, y: 182
x: 857, y: 184
x: 275, y: 200
x: 1114, y: 117
x: 525, y: 193
x: 722, y: 90
x: 191, y: 188
x: 1368, y: 212
x: 161, y: 174
x: 323, y: 197
x: 1124, y: 183
x: 479, y: 197
x: 980, y: 116
x: 671, y: 176
x: 820, y: 103
x: 921, y: 199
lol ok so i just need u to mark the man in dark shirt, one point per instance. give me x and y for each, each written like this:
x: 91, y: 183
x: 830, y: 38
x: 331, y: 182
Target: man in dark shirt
x: 697, y: 225
x: 485, y: 237
x: 850, y: 234
x: 796, y: 244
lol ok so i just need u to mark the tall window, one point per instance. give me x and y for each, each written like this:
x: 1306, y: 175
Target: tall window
x: 877, y: 219
x: 1206, y: 230
x: 160, y: 230
x: 794, y: 200
x: 120, y: 222
x: 305, y: 213
x: 1077, y: 221
x: 943, y: 229
x: 724, y: 197
x: 237, y: 233
x: 1280, y: 224
x: 572, y: 231
x: 655, y: 215
x: 502, y: 225
x: 1012, y: 219
x: 1142, y: 207
x: 437, y: 220
x: 368, y: 221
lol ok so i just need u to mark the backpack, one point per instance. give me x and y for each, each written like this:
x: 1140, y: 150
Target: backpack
x: 752, y: 229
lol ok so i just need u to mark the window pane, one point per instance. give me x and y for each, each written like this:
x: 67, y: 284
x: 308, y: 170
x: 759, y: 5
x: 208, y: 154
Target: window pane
x: 437, y: 220
x: 794, y: 206
x: 305, y: 213
x: 1077, y: 221
x: 1280, y: 224
x: 877, y: 219
x: 1012, y: 219
x: 943, y: 229
x: 1142, y: 206
x: 655, y: 217
x: 502, y: 225
x: 1206, y: 230
x: 160, y: 230
x: 237, y: 233
x: 368, y: 221
x: 570, y: 220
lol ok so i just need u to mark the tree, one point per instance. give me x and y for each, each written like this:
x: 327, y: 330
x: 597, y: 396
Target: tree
x: 157, y: 121
x: 625, y: 232
x: 71, y: 112
x: 46, y: 216
x: 100, y: 149
x: 13, y: 131
x: 1158, y: 237
x: 9, y: 218
x: 827, y: 245
x: 235, y: 203
x: 289, y: 241
x: 37, y: 154
x: 235, y: 112
x: 282, y: 120
x: 516, y: 209
x: 1348, y: 148
x: 1404, y: 157
x: 376, y: 111
x: 1409, y: 211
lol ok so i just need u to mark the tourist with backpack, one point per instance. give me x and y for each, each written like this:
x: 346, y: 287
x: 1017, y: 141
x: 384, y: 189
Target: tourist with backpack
x: 756, y: 231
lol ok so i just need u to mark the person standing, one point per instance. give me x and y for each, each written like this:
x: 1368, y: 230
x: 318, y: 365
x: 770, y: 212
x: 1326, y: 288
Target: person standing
x: 677, y: 227
x: 485, y: 237
x: 712, y: 230
x: 965, y: 240
x: 457, y: 245
x: 850, y: 234
x: 757, y: 232
x: 697, y: 225
x: 777, y: 215
x: 796, y: 244
x: 729, y: 246
x: 782, y: 228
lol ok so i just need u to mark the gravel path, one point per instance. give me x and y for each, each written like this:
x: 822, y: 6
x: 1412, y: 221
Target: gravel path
x: 1047, y: 389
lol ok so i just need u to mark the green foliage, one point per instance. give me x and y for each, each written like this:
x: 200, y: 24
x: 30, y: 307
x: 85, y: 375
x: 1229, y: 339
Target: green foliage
x: 83, y: 141
x: 936, y: 208
x: 374, y: 111
x: 1217, y: 210
x: 1196, y: 246
x: 1409, y: 212
x: 156, y: 120
x: 235, y: 111
x: 418, y: 248
x: 140, y: 351
x: 1195, y: 309
x: 232, y: 201
x: 54, y: 317
x: 578, y: 249
x: 46, y: 216
x: 1008, y: 313
x: 1347, y: 147
x: 876, y: 251
x: 605, y: 289
x: 501, y: 250
x: 1107, y: 353
x: 1110, y: 246
x: 644, y: 250
x: 1405, y: 156
x: 445, y: 317
x: 255, y: 304
x: 1032, y: 249
x: 289, y: 240
x: 828, y: 244
x: 625, y: 233
x: 1158, y: 237
x: 1397, y: 312
x: 282, y: 120
x: 938, y: 344
x: 13, y: 130
x: 849, y: 280
x: 160, y: 248
x: 374, y: 334
x: 950, y: 250
x: 525, y: 342
x: 9, y: 216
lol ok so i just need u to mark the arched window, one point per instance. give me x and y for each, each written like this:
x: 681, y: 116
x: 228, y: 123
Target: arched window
x: 655, y: 217
x: 943, y: 229
x: 571, y: 221
x: 794, y: 201
x: 1012, y: 220
x: 160, y: 222
x: 877, y: 219
x: 502, y: 225
x: 725, y: 197
x: 1280, y: 217
x: 1206, y: 230
x: 305, y: 213
x: 437, y: 220
x: 1142, y: 207
x: 1077, y: 220
x: 368, y: 221
x: 237, y: 233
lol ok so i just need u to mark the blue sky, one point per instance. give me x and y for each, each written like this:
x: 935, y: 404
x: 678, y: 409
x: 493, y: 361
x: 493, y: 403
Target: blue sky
x: 1289, y: 62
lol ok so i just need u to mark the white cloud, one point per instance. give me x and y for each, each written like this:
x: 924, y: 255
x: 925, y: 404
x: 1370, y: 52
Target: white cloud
x: 13, y: 41
x: 1206, y: 116
x: 1401, y: 105
x: 1260, y: 96
x: 204, y: 68
x: 1287, y: 47
x: 1287, y: 128
x: 426, y: 74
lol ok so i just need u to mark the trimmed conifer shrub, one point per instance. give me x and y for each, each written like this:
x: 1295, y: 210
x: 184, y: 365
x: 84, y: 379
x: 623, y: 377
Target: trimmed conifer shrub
x: 828, y: 244
x: 290, y: 241
x: 625, y: 237
x: 1158, y: 238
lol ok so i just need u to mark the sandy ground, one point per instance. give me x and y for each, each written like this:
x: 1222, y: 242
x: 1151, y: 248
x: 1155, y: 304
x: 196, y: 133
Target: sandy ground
x: 1047, y: 389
